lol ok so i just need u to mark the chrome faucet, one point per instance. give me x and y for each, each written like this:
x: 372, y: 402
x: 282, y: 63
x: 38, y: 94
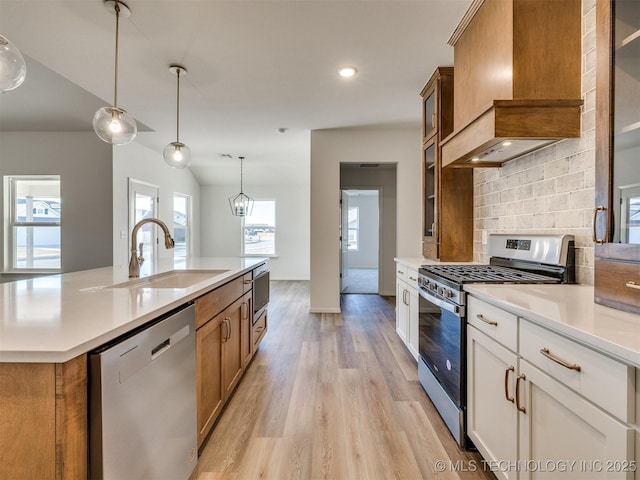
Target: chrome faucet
x: 135, y: 262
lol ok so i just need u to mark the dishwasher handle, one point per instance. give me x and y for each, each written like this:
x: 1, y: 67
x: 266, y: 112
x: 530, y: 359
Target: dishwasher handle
x: 141, y: 353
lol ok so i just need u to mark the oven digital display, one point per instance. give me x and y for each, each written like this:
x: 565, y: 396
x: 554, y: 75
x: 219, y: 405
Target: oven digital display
x: 518, y: 244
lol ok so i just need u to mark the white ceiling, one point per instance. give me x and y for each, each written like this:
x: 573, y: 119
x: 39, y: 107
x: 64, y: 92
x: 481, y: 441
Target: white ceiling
x: 253, y: 67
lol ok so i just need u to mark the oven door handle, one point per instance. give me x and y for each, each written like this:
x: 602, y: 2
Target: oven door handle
x: 449, y: 307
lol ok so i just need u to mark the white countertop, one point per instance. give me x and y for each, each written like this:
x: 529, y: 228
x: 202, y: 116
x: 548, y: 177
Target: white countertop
x: 56, y: 318
x: 571, y: 311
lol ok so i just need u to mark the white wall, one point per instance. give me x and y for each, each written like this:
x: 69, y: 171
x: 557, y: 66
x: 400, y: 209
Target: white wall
x: 84, y: 164
x: 141, y: 163
x: 375, y: 145
x: 366, y: 256
x: 222, y: 234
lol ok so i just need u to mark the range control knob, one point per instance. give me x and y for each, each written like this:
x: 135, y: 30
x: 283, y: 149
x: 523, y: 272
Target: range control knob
x: 448, y: 293
x: 440, y: 291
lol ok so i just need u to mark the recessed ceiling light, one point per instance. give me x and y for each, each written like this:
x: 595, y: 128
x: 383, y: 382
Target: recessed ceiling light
x: 347, y: 72
x: 475, y: 159
x: 506, y: 144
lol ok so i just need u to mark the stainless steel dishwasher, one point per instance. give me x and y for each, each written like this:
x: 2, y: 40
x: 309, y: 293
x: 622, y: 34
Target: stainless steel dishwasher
x: 142, y: 402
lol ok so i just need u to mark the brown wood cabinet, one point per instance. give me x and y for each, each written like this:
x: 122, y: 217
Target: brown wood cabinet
x: 225, y: 344
x: 43, y: 420
x: 232, y: 357
x: 616, y: 217
x: 447, y: 221
x: 518, y: 79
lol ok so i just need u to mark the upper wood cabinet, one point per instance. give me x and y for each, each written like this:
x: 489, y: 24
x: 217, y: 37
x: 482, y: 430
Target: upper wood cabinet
x: 518, y: 79
x: 616, y: 218
x: 447, y: 220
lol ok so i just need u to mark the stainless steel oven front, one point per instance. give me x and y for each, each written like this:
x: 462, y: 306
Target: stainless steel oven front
x: 442, y: 348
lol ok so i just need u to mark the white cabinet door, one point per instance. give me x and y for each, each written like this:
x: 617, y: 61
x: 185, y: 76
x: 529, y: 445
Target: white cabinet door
x: 492, y: 418
x: 560, y: 427
x: 402, y: 310
x: 414, y: 300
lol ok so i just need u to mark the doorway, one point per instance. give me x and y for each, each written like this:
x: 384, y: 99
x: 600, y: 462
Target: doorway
x: 360, y: 246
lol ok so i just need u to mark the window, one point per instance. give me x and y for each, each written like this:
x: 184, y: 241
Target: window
x: 260, y: 229
x: 34, y: 223
x: 181, y: 225
x: 352, y: 231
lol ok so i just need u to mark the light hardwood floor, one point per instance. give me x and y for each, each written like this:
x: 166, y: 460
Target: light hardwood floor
x: 332, y: 396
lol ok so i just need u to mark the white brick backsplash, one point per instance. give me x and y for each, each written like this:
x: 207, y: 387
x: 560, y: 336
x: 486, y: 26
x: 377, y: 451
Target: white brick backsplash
x: 555, y: 203
x: 556, y: 168
x: 571, y: 182
x: 580, y: 199
x: 544, y: 188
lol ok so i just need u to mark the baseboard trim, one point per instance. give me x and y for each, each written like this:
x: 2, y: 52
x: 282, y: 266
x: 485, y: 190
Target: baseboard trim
x: 325, y: 310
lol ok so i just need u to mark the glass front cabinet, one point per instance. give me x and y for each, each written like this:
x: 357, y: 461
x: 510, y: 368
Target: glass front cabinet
x: 616, y: 216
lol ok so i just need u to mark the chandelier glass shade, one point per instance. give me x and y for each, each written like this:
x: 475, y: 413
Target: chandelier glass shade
x: 177, y: 154
x: 113, y: 124
x: 241, y: 204
x: 13, y: 69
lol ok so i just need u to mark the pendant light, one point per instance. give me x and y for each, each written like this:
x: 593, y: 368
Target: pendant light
x: 13, y: 69
x: 177, y: 154
x: 112, y: 124
x: 241, y: 204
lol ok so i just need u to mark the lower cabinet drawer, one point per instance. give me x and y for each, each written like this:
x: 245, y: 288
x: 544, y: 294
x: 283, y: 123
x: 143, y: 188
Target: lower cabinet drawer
x: 259, y: 329
x: 211, y: 304
x: 493, y: 321
x: 617, y: 285
x: 600, y: 379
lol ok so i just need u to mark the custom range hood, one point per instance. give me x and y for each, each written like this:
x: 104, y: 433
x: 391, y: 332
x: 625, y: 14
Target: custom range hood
x: 517, y: 83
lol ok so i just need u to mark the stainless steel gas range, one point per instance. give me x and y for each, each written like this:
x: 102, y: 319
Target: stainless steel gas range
x: 442, y: 310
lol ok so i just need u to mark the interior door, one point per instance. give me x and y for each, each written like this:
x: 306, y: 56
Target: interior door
x: 344, y: 240
x: 143, y: 203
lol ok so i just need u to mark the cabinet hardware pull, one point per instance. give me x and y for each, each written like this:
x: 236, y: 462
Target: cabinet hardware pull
x: 518, y: 406
x: 245, y: 310
x: 400, y: 272
x: 632, y: 284
x: 229, y: 323
x: 224, y: 337
x: 486, y: 320
x: 248, y: 282
x: 259, y: 329
x: 413, y: 279
x: 404, y: 297
x: 433, y: 120
x: 506, y: 383
x: 564, y: 363
x: 596, y: 240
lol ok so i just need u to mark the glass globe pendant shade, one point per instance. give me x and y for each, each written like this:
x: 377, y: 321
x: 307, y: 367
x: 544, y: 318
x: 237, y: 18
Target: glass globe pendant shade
x: 177, y: 154
x: 241, y: 205
x: 114, y: 125
x: 13, y: 68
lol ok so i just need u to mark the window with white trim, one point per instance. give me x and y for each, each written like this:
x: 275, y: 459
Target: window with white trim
x: 35, y: 208
x: 259, y: 229
x: 181, y: 225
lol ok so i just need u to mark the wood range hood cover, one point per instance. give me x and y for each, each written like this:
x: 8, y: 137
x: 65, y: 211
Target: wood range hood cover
x: 518, y: 77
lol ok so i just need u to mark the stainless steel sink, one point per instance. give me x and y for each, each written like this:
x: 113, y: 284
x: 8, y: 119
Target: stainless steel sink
x: 171, y: 279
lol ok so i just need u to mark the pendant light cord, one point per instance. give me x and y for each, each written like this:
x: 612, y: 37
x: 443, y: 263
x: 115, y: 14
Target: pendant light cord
x: 178, y: 106
x: 241, y: 158
x: 115, y: 89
